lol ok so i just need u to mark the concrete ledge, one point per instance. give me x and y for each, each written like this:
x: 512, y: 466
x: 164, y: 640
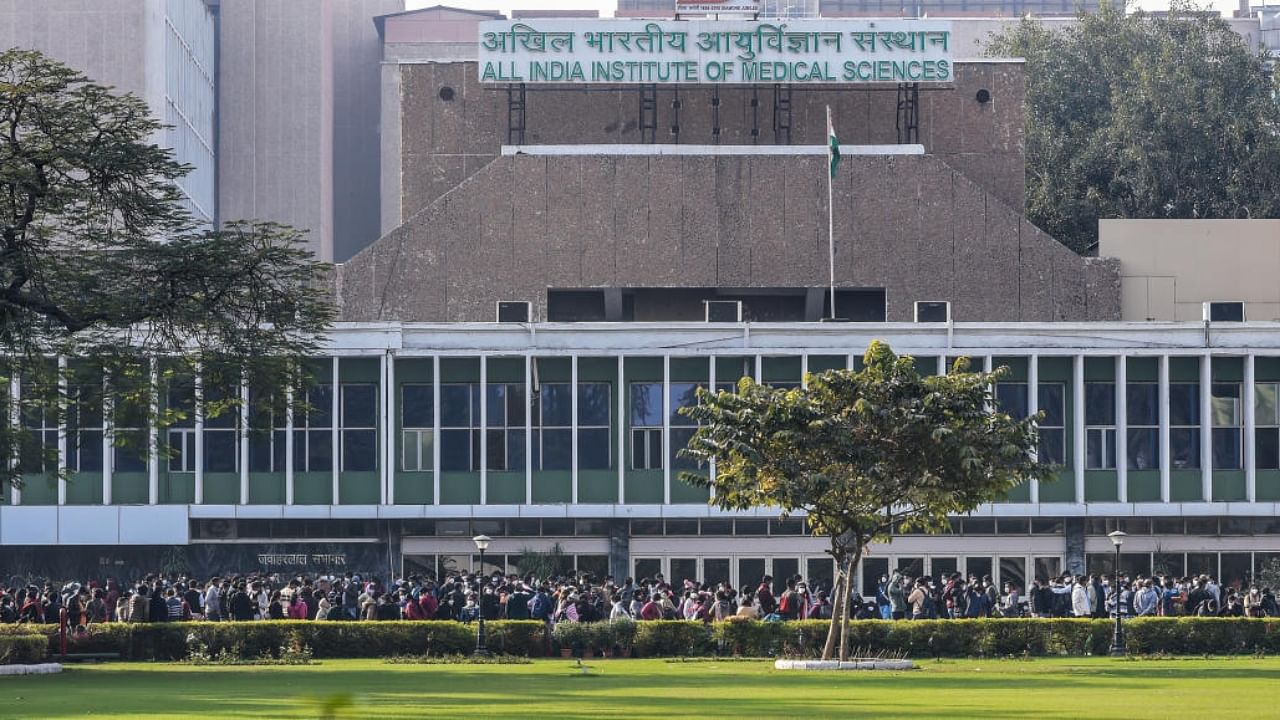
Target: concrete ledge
x: 673, y: 149
x: 40, y: 669
x: 858, y: 664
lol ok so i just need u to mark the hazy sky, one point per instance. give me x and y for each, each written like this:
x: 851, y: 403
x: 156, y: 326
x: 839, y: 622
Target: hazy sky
x: 606, y: 6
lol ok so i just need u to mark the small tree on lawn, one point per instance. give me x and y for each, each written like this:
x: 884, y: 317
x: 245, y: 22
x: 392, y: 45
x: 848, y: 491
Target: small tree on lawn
x: 861, y: 452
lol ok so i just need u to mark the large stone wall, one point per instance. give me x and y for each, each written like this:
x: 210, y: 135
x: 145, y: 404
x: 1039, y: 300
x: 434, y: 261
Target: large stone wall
x: 914, y: 225
x: 441, y: 142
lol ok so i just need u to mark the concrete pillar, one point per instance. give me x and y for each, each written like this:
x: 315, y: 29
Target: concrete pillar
x: 619, y: 549
x: 1073, y: 528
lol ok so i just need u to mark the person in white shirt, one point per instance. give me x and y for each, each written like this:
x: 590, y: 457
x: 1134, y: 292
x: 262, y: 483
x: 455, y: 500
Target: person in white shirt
x: 1080, y: 606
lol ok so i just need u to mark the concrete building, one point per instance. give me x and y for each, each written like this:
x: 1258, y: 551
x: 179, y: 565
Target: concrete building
x: 1169, y: 269
x: 273, y: 102
x: 298, y: 101
x: 163, y: 51
x: 614, y: 218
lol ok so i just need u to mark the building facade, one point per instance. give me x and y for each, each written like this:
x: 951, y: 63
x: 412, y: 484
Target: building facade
x: 611, y: 218
x: 163, y: 51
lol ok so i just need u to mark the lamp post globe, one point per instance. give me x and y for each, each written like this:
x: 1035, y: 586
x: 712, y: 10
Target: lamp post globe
x: 1117, y: 640
x: 482, y: 544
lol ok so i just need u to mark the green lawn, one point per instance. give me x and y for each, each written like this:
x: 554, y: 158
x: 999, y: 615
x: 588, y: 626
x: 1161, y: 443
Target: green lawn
x: 1050, y: 688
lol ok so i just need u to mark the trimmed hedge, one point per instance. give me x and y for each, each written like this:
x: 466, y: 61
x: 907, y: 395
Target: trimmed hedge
x: 917, y: 639
x: 22, y: 649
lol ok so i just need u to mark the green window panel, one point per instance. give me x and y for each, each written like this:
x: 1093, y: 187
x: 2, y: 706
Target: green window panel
x: 1144, y: 486
x: 552, y: 487
x: 505, y: 488
x: 459, y: 488
x: 1229, y: 486
x: 266, y: 488
x: 1101, y: 487
x: 359, y: 488
x: 1184, y: 486
x: 221, y: 488
x: 39, y: 489
x: 1060, y: 489
x: 130, y: 489
x: 597, y: 487
x: 84, y: 489
x: 313, y: 488
x: 643, y: 487
x: 414, y: 488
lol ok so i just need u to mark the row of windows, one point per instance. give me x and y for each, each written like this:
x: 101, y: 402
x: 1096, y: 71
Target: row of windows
x: 550, y: 420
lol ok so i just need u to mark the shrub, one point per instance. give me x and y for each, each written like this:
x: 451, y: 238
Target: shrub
x: 22, y: 649
x: 666, y: 638
x: 660, y: 638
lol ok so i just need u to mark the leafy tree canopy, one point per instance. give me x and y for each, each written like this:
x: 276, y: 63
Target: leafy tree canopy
x: 1144, y: 116
x: 101, y: 263
x: 862, y: 452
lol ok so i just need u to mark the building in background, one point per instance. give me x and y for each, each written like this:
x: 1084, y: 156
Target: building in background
x: 163, y: 51
x: 274, y: 103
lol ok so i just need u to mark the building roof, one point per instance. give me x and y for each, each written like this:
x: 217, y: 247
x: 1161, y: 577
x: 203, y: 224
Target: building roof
x: 380, y: 21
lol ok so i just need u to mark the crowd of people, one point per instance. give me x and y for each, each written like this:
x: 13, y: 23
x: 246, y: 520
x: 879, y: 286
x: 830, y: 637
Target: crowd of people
x: 1092, y: 595
x: 466, y: 597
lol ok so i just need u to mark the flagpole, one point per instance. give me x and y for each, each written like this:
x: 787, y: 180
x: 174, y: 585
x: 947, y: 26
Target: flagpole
x: 831, y: 227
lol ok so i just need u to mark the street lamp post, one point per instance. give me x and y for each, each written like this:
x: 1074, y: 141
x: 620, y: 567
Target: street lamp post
x: 482, y: 544
x: 1117, y: 641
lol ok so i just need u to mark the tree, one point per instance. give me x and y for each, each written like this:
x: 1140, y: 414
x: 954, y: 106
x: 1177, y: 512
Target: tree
x: 100, y: 262
x: 1144, y: 116
x: 862, y: 453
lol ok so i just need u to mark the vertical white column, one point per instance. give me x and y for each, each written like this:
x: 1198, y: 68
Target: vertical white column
x: 1122, y: 428
x: 1247, y: 394
x: 15, y: 426
x: 243, y: 437
x: 108, y: 438
x: 987, y: 363
x: 759, y: 370
x: 335, y: 408
x: 711, y: 382
x: 288, y: 444
x: 153, y: 436
x: 666, y: 428
x: 484, y: 429
x: 199, y: 435
x: 1077, y: 424
x: 1206, y: 427
x: 804, y: 370
x: 62, y: 431
x: 435, y: 429
x: 573, y: 426
x: 1033, y: 407
x: 623, y: 456
x: 942, y: 364
x: 1166, y: 462
x: 389, y: 428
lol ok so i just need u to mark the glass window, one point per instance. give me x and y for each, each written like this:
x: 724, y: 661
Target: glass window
x: 646, y: 404
x: 751, y: 527
x: 1167, y: 526
x: 1100, y: 404
x: 1011, y: 398
x: 647, y: 568
x: 1173, y: 564
x: 1142, y: 443
x: 416, y: 406
x: 682, y: 527
x: 1100, y: 431
x: 1052, y: 448
x: 312, y: 436
x: 1225, y: 400
x: 1047, y: 567
x: 594, y: 423
x: 1046, y: 526
x: 979, y: 526
x: 1013, y: 526
x: 1184, y: 425
x: 682, y: 428
x: 358, y: 431
x: 1013, y: 571
x: 716, y: 527
x: 1266, y: 426
x: 715, y: 570
x: 84, y: 428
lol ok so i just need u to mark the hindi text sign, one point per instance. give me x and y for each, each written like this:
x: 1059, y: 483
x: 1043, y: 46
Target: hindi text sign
x: 739, y: 52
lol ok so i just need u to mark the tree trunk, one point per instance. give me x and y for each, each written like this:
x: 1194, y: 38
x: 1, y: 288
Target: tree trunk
x: 839, y: 600
x: 850, y: 562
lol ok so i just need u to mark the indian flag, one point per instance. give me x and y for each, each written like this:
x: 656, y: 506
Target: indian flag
x: 833, y: 143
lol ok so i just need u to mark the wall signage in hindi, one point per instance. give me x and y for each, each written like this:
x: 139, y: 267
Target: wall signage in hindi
x: 724, y: 52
